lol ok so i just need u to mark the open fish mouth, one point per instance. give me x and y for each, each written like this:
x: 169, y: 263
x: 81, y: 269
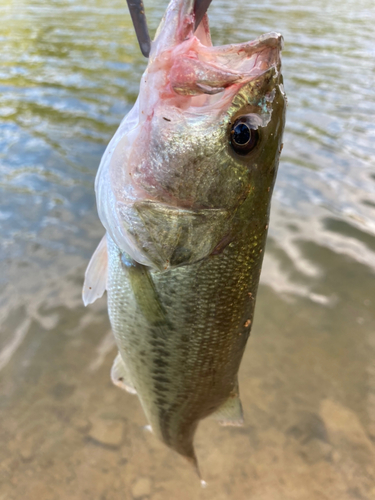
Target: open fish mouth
x: 198, y: 69
x: 193, y: 66
x: 186, y: 99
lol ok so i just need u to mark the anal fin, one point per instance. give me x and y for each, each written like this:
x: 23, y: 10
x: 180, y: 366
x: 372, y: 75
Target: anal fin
x: 230, y: 413
x: 120, y: 376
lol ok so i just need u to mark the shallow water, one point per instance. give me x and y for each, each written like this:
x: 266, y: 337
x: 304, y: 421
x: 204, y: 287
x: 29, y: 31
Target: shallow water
x: 69, y: 72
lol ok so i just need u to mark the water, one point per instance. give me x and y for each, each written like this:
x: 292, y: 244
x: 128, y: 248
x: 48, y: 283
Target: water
x: 69, y: 72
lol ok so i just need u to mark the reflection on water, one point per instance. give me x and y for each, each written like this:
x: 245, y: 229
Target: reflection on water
x: 70, y: 71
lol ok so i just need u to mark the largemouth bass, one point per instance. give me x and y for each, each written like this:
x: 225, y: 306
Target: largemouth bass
x: 183, y: 191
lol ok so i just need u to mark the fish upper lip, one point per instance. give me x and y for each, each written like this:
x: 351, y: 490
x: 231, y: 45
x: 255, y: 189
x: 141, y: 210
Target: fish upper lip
x: 271, y: 39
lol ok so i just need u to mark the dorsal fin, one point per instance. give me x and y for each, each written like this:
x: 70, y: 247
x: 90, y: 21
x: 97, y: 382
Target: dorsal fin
x: 96, y: 274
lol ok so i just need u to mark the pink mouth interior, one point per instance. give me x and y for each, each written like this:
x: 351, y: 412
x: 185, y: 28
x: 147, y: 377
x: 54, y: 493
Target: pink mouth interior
x: 195, y: 71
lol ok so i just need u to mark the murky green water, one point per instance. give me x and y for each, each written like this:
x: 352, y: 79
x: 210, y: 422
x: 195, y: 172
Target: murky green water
x: 69, y: 72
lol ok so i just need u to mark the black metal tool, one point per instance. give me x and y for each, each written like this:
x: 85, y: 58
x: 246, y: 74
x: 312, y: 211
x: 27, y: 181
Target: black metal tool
x: 137, y: 12
x: 200, y: 8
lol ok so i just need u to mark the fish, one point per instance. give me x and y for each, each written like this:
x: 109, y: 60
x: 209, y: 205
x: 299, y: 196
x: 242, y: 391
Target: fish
x: 183, y: 191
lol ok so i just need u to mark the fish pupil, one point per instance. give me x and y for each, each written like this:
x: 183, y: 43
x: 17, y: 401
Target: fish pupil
x: 241, y: 134
x: 244, y: 135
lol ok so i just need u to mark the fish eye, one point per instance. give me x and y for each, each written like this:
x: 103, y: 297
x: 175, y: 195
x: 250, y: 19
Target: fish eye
x: 244, y: 135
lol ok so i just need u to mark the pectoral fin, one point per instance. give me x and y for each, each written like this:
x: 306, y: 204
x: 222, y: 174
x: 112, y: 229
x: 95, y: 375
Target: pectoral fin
x: 144, y: 291
x: 120, y: 376
x: 96, y: 274
x: 230, y: 413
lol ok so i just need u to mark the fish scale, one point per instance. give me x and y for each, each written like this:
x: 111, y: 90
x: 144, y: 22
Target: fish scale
x: 202, y: 338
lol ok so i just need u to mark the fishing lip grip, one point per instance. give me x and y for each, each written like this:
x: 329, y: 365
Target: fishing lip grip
x: 137, y: 13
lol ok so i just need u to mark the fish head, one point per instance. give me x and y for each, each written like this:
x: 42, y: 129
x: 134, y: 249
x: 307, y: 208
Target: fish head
x: 203, y: 137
